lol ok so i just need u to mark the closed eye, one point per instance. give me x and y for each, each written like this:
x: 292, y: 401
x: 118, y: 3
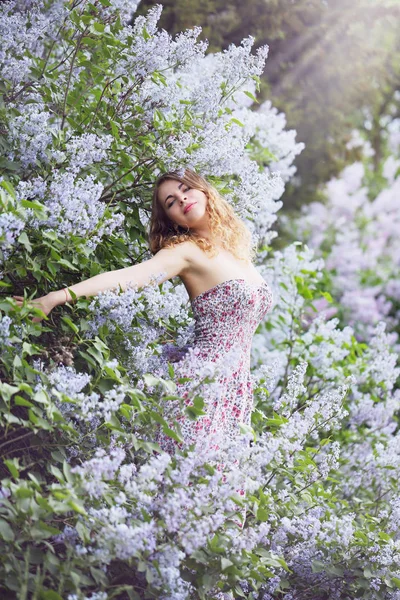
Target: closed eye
x: 186, y: 190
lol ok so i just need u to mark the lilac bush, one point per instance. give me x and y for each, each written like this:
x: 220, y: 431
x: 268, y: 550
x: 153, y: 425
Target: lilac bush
x: 304, y: 504
x: 356, y: 231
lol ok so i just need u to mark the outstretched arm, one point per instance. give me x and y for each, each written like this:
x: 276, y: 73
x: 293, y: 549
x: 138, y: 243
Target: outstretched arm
x: 169, y: 262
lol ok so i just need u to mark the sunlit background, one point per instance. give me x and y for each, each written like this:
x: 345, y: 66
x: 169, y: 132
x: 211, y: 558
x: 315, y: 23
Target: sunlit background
x: 333, y: 65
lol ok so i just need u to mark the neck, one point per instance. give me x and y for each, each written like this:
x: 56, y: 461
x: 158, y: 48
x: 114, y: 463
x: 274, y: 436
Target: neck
x: 203, y: 232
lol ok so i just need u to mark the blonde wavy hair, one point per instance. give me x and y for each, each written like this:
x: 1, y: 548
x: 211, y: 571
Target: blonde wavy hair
x: 225, y: 225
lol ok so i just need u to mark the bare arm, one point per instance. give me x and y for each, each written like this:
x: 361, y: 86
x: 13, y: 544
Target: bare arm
x: 169, y: 262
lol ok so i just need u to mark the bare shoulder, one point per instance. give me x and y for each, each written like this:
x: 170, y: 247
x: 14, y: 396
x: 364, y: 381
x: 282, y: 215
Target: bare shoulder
x: 187, y: 251
x: 174, y: 260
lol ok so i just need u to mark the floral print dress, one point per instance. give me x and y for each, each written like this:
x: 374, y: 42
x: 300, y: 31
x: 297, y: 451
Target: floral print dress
x: 226, y: 317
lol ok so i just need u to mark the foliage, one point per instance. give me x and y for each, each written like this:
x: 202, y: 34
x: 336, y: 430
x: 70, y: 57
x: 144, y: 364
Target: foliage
x: 327, y: 61
x: 356, y: 230
x: 93, y: 109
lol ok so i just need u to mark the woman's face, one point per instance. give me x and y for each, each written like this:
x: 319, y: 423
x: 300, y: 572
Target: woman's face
x: 183, y: 205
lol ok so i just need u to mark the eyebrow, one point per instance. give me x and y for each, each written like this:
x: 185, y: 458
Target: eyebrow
x: 170, y: 196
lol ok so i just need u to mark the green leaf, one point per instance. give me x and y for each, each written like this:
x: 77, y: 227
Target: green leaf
x: 99, y: 27
x: 172, y: 434
x: 67, y: 472
x: 8, y: 187
x: 7, y: 391
x: 57, y: 473
x: 327, y: 296
x: 50, y: 595
x: 251, y: 96
x: 77, y: 507
x: 262, y: 514
x: 23, y: 239
x: 20, y: 401
x: 65, y: 263
x: 43, y: 531
x: 9, y: 164
x: 150, y: 380
x: 70, y: 324
x: 41, y: 397
x: 13, y: 466
x: 17, y: 362
x: 226, y: 563
x: 6, y: 532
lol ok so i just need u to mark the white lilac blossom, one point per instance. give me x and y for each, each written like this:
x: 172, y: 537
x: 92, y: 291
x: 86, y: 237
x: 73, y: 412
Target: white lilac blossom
x: 214, y: 144
x: 84, y: 150
x: 185, y: 510
x: 143, y: 316
x: 123, y: 540
x: 5, y: 323
x: 31, y: 134
x: 89, y: 407
x: 100, y: 469
x: 271, y: 344
x: 295, y: 388
x: 74, y: 206
x: 93, y: 406
x: 20, y: 41
x: 157, y: 50
x: 67, y: 381
x: 352, y: 224
x: 125, y: 8
x: 266, y: 127
x: 10, y: 228
x: 120, y: 309
x: 358, y: 141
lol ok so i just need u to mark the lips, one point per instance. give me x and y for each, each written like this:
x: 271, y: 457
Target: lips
x: 189, y: 206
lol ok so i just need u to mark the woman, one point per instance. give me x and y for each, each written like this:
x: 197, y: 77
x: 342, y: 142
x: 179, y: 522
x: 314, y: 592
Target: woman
x: 195, y: 235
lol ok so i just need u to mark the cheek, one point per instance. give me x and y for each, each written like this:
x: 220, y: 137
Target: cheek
x: 202, y: 199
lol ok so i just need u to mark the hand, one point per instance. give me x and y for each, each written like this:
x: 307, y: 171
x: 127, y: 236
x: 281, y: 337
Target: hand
x: 45, y: 303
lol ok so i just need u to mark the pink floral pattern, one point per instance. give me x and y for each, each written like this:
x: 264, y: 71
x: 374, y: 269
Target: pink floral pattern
x: 226, y: 317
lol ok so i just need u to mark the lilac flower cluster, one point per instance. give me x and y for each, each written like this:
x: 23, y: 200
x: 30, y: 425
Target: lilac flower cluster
x: 187, y: 514
x: 98, y: 470
x: 31, y: 134
x: 74, y: 205
x: 23, y: 26
x: 10, y: 228
x: 93, y: 596
x: 142, y: 316
x: 125, y: 9
x: 156, y: 50
x: 351, y: 224
x: 67, y: 381
x: 5, y: 323
x: 90, y: 407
